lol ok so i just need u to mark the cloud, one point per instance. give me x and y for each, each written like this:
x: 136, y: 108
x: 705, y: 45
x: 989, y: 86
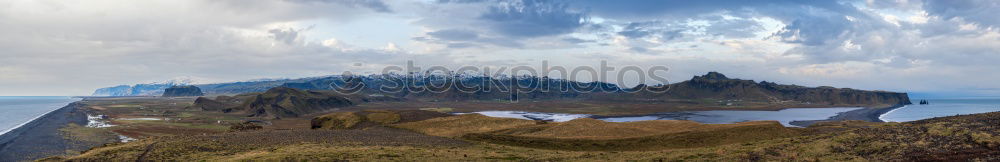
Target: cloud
x: 532, y: 18
x: 376, y: 5
x: 977, y: 11
x: 575, y: 40
x: 907, y: 44
x: 454, y: 34
x: 287, y: 36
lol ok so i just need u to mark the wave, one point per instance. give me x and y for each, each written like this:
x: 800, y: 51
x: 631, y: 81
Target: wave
x: 882, y: 117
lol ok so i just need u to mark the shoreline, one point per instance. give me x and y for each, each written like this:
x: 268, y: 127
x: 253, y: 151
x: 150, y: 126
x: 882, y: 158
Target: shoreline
x: 29, y: 121
x: 41, y: 137
x: 864, y: 114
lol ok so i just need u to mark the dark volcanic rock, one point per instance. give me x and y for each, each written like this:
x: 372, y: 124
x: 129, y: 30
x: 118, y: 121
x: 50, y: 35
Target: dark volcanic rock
x: 182, y: 91
x: 220, y: 103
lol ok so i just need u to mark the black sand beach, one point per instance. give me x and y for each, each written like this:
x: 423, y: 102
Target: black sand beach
x: 41, y: 138
x: 865, y: 114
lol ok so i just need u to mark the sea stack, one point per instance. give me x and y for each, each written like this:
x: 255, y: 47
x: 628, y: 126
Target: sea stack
x: 182, y: 91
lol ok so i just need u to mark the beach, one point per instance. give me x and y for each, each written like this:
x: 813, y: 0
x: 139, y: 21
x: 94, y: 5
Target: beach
x: 40, y: 138
x: 865, y: 114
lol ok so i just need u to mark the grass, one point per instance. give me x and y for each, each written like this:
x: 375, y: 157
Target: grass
x: 225, y: 145
x: 76, y: 132
x: 439, y: 109
x: 164, y: 123
x: 123, y: 106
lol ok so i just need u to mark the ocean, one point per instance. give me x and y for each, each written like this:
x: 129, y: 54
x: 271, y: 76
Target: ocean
x: 941, y: 108
x: 16, y: 110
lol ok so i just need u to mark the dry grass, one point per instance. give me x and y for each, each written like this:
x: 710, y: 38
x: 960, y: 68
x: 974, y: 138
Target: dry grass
x: 383, y: 117
x: 439, y: 109
x: 182, y: 148
x: 342, y: 120
x: 592, y: 134
x: 370, y: 118
x: 463, y: 124
x: 650, y: 140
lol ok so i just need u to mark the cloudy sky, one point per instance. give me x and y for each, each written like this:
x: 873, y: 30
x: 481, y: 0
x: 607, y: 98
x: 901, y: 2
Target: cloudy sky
x: 945, y: 48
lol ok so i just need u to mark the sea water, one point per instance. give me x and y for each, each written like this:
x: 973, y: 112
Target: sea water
x: 16, y: 111
x: 941, y: 108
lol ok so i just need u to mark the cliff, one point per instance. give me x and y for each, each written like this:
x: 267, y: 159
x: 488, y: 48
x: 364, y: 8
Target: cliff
x: 717, y: 86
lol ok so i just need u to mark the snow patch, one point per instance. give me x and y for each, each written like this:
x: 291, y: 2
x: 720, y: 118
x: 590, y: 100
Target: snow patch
x: 556, y: 117
x: 126, y: 138
x: 98, y: 121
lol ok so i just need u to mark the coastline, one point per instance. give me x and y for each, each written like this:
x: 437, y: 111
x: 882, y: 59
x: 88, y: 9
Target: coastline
x: 40, y: 137
x: 2, y: 140
x: 864, y: 114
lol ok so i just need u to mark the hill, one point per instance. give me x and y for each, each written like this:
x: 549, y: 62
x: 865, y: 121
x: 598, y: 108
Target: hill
x: 278, y: 102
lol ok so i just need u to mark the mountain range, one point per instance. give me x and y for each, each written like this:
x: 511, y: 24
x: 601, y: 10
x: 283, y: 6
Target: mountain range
x: 713, y: 85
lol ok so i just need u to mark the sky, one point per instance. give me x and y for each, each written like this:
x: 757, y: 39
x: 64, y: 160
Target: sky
x: 938, y: 48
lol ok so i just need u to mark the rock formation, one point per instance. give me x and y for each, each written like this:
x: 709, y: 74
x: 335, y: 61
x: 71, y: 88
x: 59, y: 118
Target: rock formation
x: 182, y: 91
